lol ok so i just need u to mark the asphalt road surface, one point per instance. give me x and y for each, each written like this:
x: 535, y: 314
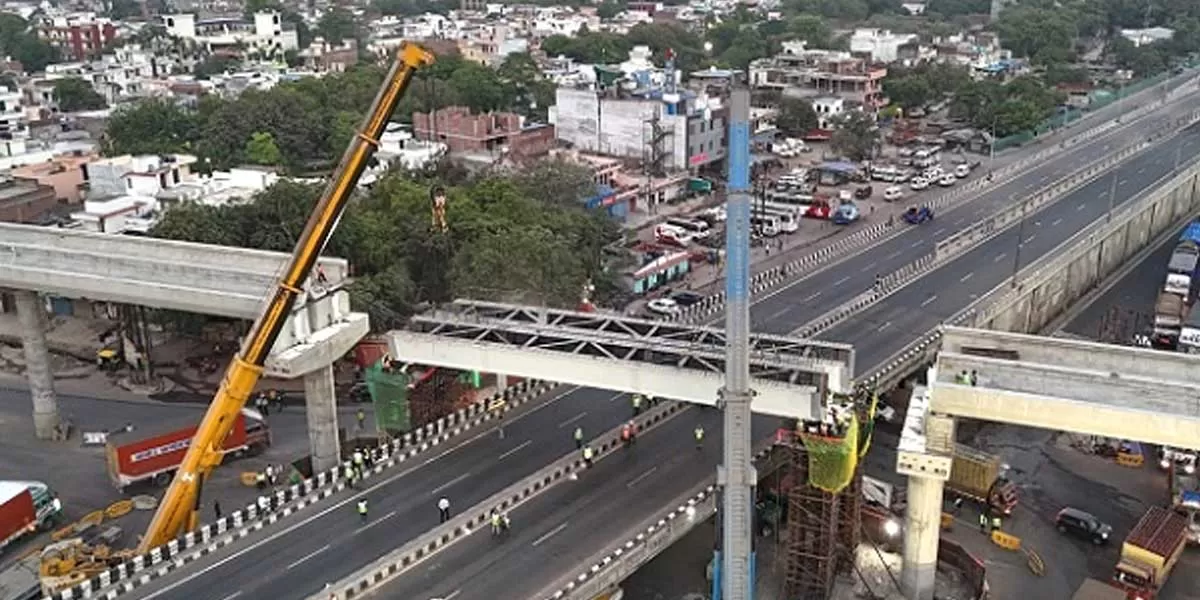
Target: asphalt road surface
x: 791, y: 307
x: 328, y: 542
x: 559, y: 530
x: 887, y: 327
x: 296, y: 557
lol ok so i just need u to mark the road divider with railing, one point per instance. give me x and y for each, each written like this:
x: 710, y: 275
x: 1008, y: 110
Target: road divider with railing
x: 870, y: 234
x: 983, y: 231
x: 286, y: 501
x: 376, y: 575
x: 984, y: 311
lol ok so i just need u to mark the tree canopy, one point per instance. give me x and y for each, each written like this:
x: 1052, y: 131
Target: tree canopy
x: 19, y: 41
x: 1019, y: 105
x: 796, y: 117
x: 856, y: 135
x: 504, y: 242
x: 74, y: 94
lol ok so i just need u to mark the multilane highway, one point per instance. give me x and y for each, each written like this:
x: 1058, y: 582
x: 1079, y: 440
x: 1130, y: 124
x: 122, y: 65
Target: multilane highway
x: 517, y: 567
x: 296, y: 557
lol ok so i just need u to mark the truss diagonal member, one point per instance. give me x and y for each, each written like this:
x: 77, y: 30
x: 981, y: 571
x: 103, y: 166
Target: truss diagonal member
x: 603, y: 350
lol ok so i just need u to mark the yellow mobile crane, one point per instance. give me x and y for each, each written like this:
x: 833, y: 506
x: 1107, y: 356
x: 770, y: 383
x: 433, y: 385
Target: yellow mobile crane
x: 177, y: 513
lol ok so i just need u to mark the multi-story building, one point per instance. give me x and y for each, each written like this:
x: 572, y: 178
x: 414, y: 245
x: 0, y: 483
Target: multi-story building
x: 879, y: 45
x: 265, y: 33
x: 24, y: 200
x: 803, y: 73
x: 79, y: 36
x: 491, y: 133
x: 13, y: 120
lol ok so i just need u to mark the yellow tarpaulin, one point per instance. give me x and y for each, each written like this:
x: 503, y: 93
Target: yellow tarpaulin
x: 832, y: 460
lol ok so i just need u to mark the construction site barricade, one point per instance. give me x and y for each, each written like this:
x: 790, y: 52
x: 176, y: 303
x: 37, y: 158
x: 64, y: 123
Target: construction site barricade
x: 832, y: 460
x: 1006, y: 541
x: 1130, y: 455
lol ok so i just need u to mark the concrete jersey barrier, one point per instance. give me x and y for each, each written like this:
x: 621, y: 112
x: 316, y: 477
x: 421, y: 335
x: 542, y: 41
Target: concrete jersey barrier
x: 289, y: 500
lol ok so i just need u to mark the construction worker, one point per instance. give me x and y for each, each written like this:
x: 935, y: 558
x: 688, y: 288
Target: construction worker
x: 443, y: 509
x: 578, y: 438
x: 361, y: 415
x: 362, y: 510
x: 348, y: 471
x: 626, y: 435
x: 588, y: 455
x: 632, y: 431
x: 996, y: 523
x: 983, y: 522
x: 359, y: 461
x: 699, y: 433
x: 276, y: 399
x: 497, y: 522
x: 637, y: 404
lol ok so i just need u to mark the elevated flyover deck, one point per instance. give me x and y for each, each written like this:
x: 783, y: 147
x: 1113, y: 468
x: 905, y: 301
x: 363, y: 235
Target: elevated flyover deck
x: 1069, y: 385
x: 669, y: 360
x: 184, y: 276
x: 258, y: 565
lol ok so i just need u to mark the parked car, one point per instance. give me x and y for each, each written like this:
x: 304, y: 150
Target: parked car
x: 663, y: 306
x: 919, y: 183
x: 864, y: 192
x: 947, y: 180
x: 961, y: 170
x: 1085, y: 525
x: 893, y: 193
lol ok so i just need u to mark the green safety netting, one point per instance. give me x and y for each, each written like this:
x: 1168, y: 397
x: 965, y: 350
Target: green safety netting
x: 868, y: 428
x: 389, y: 394
x: 832, y: 460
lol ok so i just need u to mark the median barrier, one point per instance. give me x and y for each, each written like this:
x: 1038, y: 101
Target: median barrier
x: 988, y: 309
x: 285, y: 501
x: 364, y: 581
x: 710, y: 306
x: 611, y: 566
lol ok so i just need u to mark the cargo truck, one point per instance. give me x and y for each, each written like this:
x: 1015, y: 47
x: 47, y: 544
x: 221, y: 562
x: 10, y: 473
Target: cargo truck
x: 155, y: 455
x: 980, y: 476
x: 1094, y: 589
x: 1150, y: 552
x: 26, y: 507
x: 1168, y: 317
x: 1189, y: 334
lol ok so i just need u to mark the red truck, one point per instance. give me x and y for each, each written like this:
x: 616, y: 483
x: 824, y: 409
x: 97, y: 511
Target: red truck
x: 155, y: 456
x: 26, y: 507
x: 1150, y: 553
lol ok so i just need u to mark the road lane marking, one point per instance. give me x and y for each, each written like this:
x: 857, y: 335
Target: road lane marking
x: 439, y: 488
x: 929, y: 300
x: 867, y: 268
x: 307, y: 556
x: 1122, y: 182
x: 452, y: 595
x: 958, y: 222
x: 939, y: 232
x: 884, y: 326
x: 639, y: 478
x: 1056, y: 222
x: 375, y: 522
x: 964, y: 278
x: 485, y: 433
x: 514, y: 450
x: 779, y: 313
x: 841, y: 281
x: 1141, y: 170
x: 1080, y: 207
x: 811, y: 297
x: 549, y: 535
x: 894, y: 254
x: 616, y: 396
x: 233, y: 595
x: 999, y: 257
x: 915, y: 244
x: 1029, y: 239
x: 572, y: 419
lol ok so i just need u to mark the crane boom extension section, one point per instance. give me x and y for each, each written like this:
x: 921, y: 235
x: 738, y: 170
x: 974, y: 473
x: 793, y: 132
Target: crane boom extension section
x: 178, y: 511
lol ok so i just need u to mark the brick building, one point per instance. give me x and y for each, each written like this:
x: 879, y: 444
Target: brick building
x: 23, y: 200
x: 464, y: 132
x: 80, y: 36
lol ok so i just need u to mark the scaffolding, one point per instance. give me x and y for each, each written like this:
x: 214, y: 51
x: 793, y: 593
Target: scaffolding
x: 813, y: 537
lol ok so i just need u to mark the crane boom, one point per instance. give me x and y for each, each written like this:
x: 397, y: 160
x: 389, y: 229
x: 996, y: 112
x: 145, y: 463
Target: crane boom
x: 177, y: 513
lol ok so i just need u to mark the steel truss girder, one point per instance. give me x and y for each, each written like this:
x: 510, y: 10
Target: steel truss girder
x: 824, y: 365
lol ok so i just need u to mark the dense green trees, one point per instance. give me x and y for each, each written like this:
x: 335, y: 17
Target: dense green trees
x: 1019, y: 105
x: 505, y: 242
x: 796, y: 117
x: 20, y: 42
x: 924, y: 84
x: 856, y: 136
x: 74, y: 94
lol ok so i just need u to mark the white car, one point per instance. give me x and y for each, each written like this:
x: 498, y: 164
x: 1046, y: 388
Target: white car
x: 962, y: 170
x: 663, y: 306
x: 893, y: 193
x: 919, y: 183
x: 947, y: 180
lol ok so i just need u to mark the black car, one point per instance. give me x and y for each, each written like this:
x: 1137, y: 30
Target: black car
x: 1083, y: 525
x: 686, y: 298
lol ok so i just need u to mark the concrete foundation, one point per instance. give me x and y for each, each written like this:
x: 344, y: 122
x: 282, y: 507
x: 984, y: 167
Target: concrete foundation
x: 32, y: 315
x: 321, y: 404
x: 923, y: 521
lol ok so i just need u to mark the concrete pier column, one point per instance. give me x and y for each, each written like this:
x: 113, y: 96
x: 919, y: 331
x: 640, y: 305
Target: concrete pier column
x: 32, y: 315
x: 922, y: 526
x: 321, y: 404
x: 501, y: 382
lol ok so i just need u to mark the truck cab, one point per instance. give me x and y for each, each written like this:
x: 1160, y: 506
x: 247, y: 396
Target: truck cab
x: 46, y: 504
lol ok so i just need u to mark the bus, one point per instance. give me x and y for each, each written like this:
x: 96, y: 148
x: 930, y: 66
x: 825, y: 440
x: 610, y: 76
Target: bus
x: 697, y: 228
x: 789, y: 218
x: 765, y: 225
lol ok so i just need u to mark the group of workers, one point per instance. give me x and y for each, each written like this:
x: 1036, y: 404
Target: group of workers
x: 354, y: 469
x: 264, y: 400
x: 967, y: 378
